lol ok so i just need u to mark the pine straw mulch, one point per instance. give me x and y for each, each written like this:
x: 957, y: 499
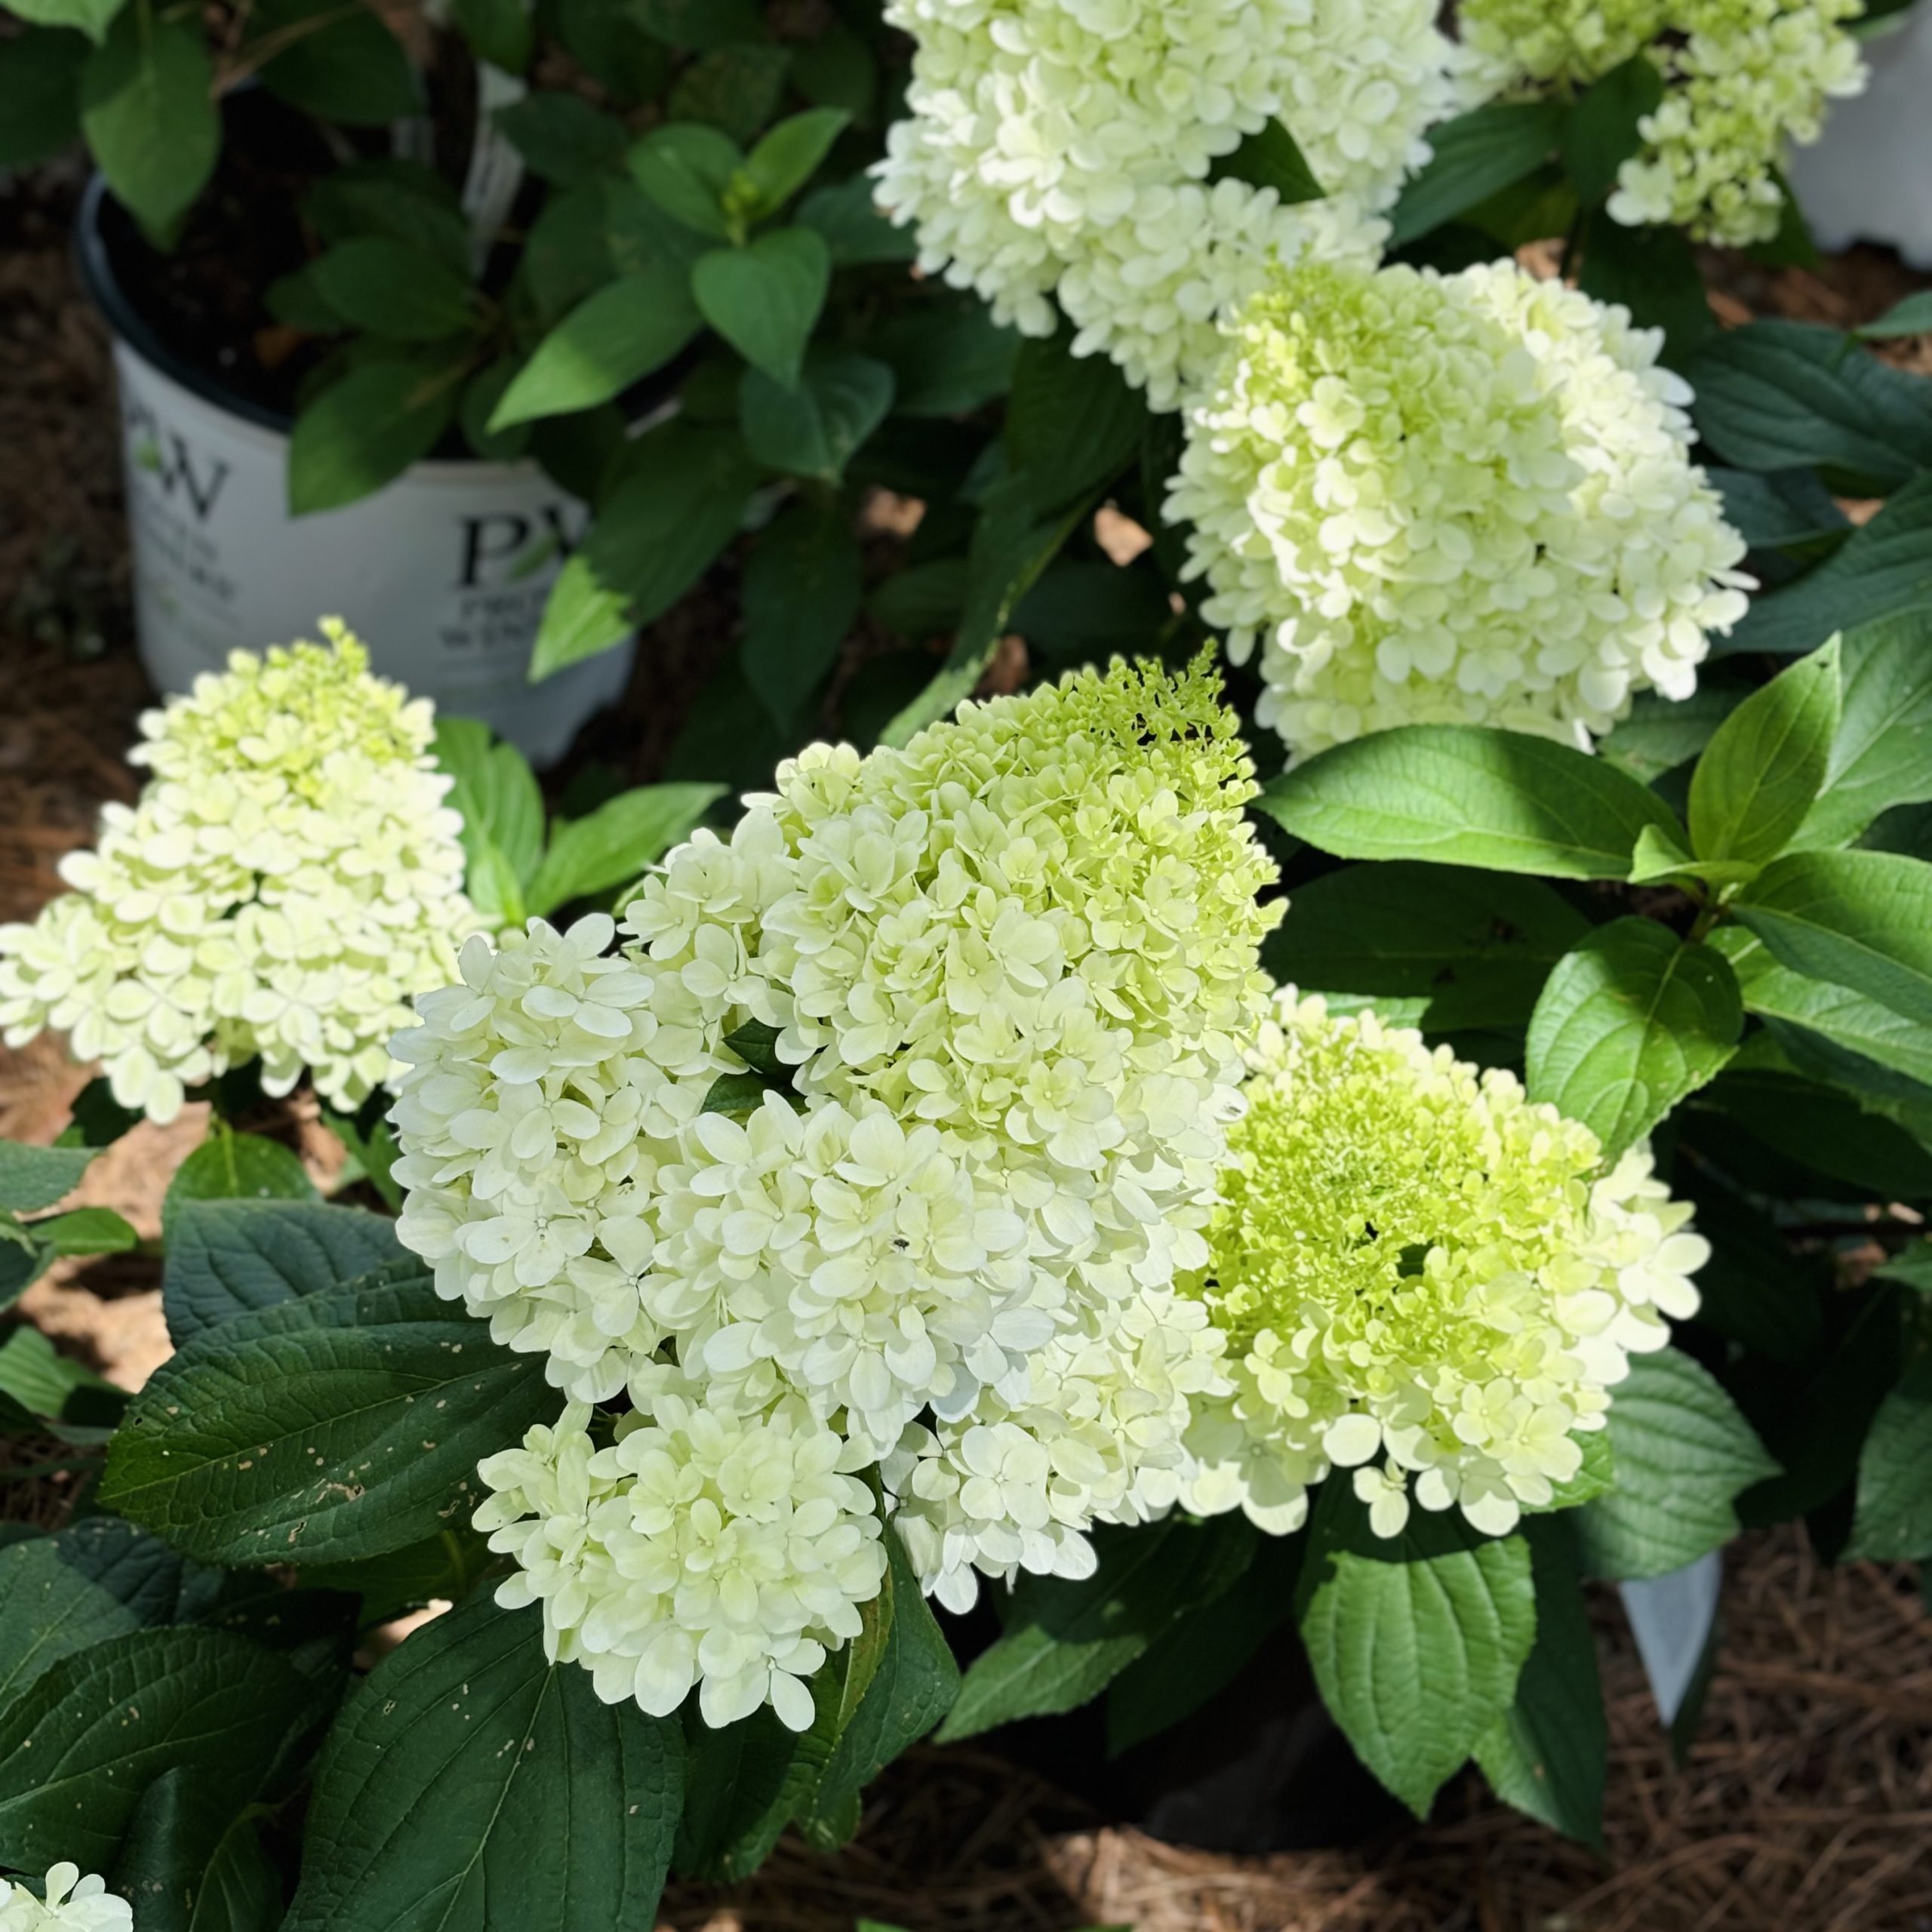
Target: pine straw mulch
x: 1805, y: 1807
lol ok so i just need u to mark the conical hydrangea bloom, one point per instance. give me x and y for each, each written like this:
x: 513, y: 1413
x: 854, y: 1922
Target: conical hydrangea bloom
x: 1412, y: 1262
x: 1741, y: 78
x: 289, y: 879
x: 1462, y: 500
x: 73, y: 1904
x: 998, y: 981
x: 1066, y: 145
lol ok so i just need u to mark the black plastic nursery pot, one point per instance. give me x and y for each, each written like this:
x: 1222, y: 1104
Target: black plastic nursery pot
x: 444, y: 573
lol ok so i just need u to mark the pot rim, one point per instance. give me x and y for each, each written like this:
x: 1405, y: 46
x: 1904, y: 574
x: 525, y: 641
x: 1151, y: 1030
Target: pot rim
x: 103, y: 286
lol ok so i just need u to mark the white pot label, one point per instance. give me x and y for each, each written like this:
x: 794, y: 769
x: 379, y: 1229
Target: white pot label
x: 443, y: 574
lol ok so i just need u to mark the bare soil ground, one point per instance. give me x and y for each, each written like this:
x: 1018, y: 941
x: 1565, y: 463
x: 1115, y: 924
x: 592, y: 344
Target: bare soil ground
x: 1806, y: 1803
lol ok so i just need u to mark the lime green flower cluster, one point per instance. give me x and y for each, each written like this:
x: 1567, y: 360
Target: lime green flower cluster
x: 289, y: 879
x: 1741, y: 77
x: 1412, y: 1262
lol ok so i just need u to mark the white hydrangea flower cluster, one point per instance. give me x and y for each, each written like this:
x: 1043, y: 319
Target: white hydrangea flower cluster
x: 73, y: 1904
x: 701, y: 1546
x: 289, y: 878
x: 1414, y: 1262
x: 1005, y: 973
x: 1462, y: 500
x: 1066, y: 146
x: 1741, y: 78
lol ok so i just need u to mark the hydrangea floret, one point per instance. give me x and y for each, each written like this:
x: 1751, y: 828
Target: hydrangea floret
x: 1421, y: 1277
x: 994, y: 987
x: 289, y: 878
x: 1067, y: 146
x: 1462, y: 499
x: 1741, y: 78
x: 71, y: 1904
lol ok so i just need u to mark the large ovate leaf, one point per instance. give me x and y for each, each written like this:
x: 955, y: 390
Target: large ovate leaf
x: 610, y: 341
x: 236, y: 1167
x: 1469, y: 795
x: 1474, y: 156
x: 367, y: 428
x: 1766, y: 764
x: 815, y: 427
x: 1477, y: 945
x: 740, y: 1783
x: 1683, y: 1454
x: 92, y: 1733
x: 1073, y: 422
x: 395, y: 289
x: 1882, y: 754
x: 147, y: 108
x: 765, y: 299
x: 339, y: 63
x: 50, y: 1605
x: 1893, y: 1521
x: 1065, y: 1642
x: 32, y: 1178
x: 618, y: 842
x: 1777, y: 395
x: 661, y: 529
x: 196, y: 1862
x: 91, y: 17
x: 787, y: 157
x: 1860, y: 920
x: 336, y: 1426
x: 1416, y: 1641
x: 227, y: 1257
x: 1632, y: 1021
x: 40, y: 105
x: 471, y: 1783
x: 802, y: 591
x: 1602, y: 131
x: 1546, y: 1754
x: 496, y: 791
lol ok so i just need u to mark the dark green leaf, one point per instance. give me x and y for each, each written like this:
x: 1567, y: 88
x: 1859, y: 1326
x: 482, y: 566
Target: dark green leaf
x: 617, y: 843
x: 49, y: 1606
x: 739, y: 1785
x: 1416, y: 1641
x: 1477, y: 945
x: 661, y: 529
x: 147, y: 108
x: 366, y: 429
x: 225, y: 1258
x: 501, y: 31
x: 591, y: 234
x: 1073, y: 422
x: 1205, y: 1650
x: 1766, y: 764
x: 470, y: 1782
x: 735, y: 89
x: 1787, y: 509
x: 32, y: 1178
x: 40, y: 100
x: 395, y: 290
x: 1465, y: 795
x: 339, y: 62
x: 764, y: 299
x: 814, y: 428
x: 1822, y: 1132
x: 1911, y: 315
x: 855, y: 232
x: 336, y: 1426
x: 802, y: 590
x: 1777, y: 395
x: 92, y: 1733
x: 1546, y: 1755
x: 700, y: 24
x: 1272, y: 158
x: 86, y: 1231
x: 1683, y: 1454
x: 790, y: 155
x: 561, y: 136
x: 1065, y: 1642
x: 401, y: 200
x: 614, y: 47
x: 688, y: 169
x: 1475, y: 155
x: 91, y: 18
x: 481, y: 396
x: 1631, y: 1022
x: 950, y: 362
x: 1653, y: 273
x: 1861, y: 920
x: 609, y: 341
x: 24, y: 1257
x: 195, y: 1864
x: 236, y: 1167
x: 99, y: 1119
x: 1601, y: 133
x: 447, y: 1565
x: 1882, y: 755
x: 1893, y: 1522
